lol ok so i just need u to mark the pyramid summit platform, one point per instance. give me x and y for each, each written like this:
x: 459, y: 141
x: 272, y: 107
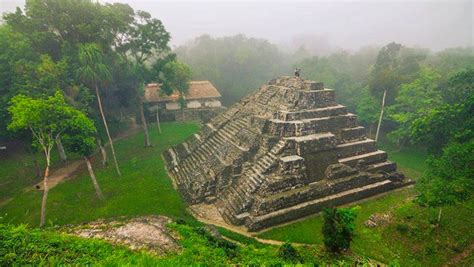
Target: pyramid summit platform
x: 284, y: 152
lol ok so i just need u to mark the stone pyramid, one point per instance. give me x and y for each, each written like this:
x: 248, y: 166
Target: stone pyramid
x: 281, y: 153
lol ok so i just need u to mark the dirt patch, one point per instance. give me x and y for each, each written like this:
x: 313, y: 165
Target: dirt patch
x: 461, y: 256
x: 377, y: 219
x: 148, y: 233
x: 60, y: 174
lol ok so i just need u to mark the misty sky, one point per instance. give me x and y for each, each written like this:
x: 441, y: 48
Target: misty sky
x: 345, y: 24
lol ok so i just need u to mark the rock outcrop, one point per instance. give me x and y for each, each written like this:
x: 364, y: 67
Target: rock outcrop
x: 281, y: 153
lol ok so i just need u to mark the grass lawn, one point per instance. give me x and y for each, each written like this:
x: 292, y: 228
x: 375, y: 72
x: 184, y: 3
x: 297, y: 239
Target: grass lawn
x: 18, y: 170
x: 144, y: 187
x: 409, y: 239
x: 410, y: 161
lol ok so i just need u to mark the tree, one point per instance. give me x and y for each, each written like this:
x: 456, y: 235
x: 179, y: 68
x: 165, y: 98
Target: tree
x: 367, y: 109
x: 287, y: 252
x: 146, y: 37
x: 94, y: 71
x: 338, y: 228
x: 142, y: 115
x: 79, y: 138
x: 176, y: 77
x: 48, y: 119
x: 383, y: 78
x: 414, y: 100
x: 445, y: 124
x: 394, y: 66
x: 449, y: 178
x: 447, y: 131
x: 460, y: 86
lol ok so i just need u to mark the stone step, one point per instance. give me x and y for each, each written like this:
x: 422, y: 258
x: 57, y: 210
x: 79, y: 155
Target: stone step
x: 207, y: 149
x: 214, y: 145
x: 200, y: 154
x: 386, y: 166
x: 242, y: 123
x: 356, y: 148
x: 354, y: 133
x: 218, y: 140
x: 369, y: 158
x: 225, y: 135
x: 312, y: 113
x: 191, y: 159
x: 233, y: 128
x: 316, y: 205
x: 271, y: 156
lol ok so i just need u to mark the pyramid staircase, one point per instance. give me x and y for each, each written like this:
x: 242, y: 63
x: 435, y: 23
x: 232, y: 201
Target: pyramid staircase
x: 282, y: 153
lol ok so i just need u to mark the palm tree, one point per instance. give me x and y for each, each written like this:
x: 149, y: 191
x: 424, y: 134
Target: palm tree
x: 92, y: 71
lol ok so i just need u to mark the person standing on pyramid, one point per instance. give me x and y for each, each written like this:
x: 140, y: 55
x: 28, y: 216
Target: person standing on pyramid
x: 297, y: 72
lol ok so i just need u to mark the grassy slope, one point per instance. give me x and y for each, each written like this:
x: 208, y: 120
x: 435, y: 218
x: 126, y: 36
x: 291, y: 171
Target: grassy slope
x: 25, y: 246
x: 144, y: 188
x: 409, y: 239
x: 18, y: 171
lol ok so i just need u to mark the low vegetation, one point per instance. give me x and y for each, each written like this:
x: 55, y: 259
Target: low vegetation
x: 407, y: 237
x: 144, y: 187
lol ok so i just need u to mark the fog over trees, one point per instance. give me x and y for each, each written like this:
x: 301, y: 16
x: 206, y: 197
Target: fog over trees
x: 322, y: 26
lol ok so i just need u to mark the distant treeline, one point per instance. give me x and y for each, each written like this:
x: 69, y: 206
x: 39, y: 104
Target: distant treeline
x: 238, y: 65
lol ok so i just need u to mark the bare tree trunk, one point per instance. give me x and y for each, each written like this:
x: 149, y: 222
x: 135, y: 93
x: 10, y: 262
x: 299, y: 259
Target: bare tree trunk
x: 145, y: 126
x: 62, y: 152
x: 381, y: 115
x: 103, y: 152
x: 107, y: 130
x: 439, y: 216
x: 158, y: 120
x: 45, y: 192
x: 98, y: 192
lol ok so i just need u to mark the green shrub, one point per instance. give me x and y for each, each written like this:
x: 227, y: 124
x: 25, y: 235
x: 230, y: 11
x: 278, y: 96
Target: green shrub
x: 288, y: 252
x: 338, y: 228
x: 402, y: 228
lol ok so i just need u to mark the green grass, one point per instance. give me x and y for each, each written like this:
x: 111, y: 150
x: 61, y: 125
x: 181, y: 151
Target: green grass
x: 19, y: 172
x: 20, y: 245
x: 410, y: 161
x: 25, y: 246
x: 410, y: 238
x: 144, y: 188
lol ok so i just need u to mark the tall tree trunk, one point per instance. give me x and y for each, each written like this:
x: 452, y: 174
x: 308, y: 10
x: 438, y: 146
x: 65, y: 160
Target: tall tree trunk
x: 158, y: 120
x: 62, y: 152
x: 103, y: 152
x: 145, y: 126
x: 98, y: 192
x: 45, y: 192
x: 381, y: 115
x: 439, y: 216
x: 107, y: 130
